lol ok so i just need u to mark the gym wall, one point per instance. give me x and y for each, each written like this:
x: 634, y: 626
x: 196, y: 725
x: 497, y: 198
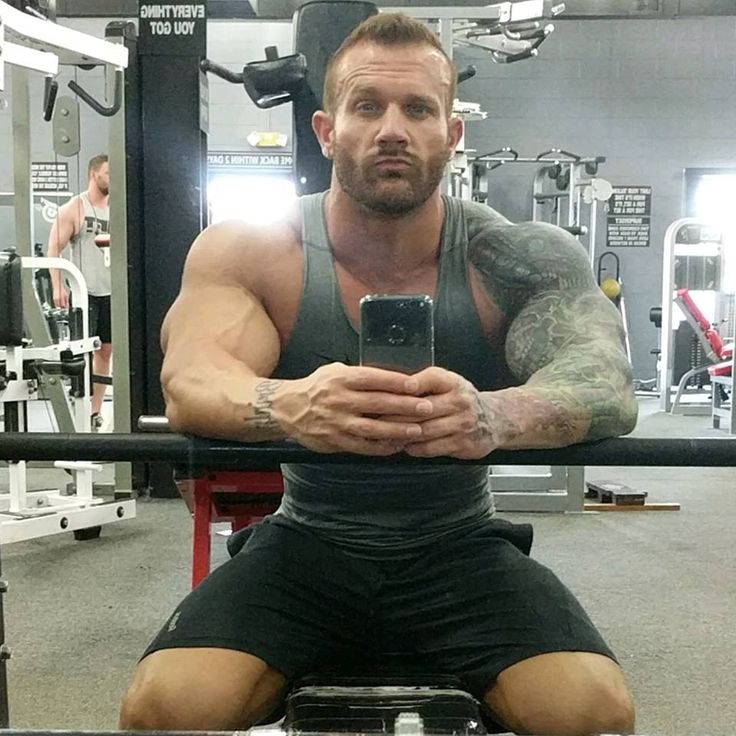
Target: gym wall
x: 652, y: 96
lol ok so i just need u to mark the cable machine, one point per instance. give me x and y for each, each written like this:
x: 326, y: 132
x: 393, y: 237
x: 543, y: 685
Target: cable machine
x: 565, y: 192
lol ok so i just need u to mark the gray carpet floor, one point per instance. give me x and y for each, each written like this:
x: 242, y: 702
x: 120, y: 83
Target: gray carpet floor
x: 661, y: 586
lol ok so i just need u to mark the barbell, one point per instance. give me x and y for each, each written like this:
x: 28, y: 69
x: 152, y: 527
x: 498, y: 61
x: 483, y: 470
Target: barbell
x: 182, y: 450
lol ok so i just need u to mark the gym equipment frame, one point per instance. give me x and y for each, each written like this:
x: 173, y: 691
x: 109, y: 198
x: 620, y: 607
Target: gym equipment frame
x: 28, y: 515
x: 690, y: 245
x: 23, y: 35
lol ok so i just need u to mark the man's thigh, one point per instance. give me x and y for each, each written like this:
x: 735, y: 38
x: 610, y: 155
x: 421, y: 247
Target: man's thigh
x: 200, y: 688
x: 286, y: 598
x: 104, y: 319
x: 475, y: 605
x: 94, y: 316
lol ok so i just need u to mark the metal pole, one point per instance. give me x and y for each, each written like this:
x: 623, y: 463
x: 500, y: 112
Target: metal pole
x: 572, y: 186
x: 35, y: 322
x: 119, y: 303
x: 666, y: 356
x: 593, y: 232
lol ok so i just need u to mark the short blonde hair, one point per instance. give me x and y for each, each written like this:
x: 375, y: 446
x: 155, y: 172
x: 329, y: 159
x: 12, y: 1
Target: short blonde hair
x: 385, y: 29
x: 95, y: 162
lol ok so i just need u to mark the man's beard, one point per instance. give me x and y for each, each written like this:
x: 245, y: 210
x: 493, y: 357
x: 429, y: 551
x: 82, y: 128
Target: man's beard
x: 363, y: 182
x: 103, y: 190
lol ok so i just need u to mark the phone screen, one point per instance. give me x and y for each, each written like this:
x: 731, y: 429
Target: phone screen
x: 397, y: 332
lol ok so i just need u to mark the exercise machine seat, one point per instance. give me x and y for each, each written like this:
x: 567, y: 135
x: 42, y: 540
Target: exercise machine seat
x: 712, y: 341
x: 368, y: 704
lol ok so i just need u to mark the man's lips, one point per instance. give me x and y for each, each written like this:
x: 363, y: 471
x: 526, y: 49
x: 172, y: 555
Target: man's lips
x: 396, y: 164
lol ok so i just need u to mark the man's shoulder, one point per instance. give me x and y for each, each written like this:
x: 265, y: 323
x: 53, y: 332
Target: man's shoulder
x: 237, y: 240
x: 244, y: 253
x: 525, y: 247
x: 515, y: 261
x: 74, y: 204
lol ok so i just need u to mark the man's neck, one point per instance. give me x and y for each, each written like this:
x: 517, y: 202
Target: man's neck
x: 96, y: 197
x: 389, y: 249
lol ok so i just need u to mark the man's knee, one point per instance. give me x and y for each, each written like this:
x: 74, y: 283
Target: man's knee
x: 172, y: 691
x: 149, y: 707
x: 605, y: 707
x: 565, y: 693
x: 105, y: 351
x: 163, y: 702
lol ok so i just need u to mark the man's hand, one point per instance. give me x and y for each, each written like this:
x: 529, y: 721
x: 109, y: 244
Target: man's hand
x: 459, y: 423
x: 61, y: 298
x: 341, y: 408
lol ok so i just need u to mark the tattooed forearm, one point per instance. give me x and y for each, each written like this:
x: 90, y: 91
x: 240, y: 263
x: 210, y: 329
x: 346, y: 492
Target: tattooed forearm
x: 484, y: 430
x: 595, y: 387
x: 569, y: 350
x: 262, y: 420
x: 516, y: 418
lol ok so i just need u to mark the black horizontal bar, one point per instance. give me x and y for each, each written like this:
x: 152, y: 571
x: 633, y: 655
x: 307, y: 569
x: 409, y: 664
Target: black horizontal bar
x: 180, y: 450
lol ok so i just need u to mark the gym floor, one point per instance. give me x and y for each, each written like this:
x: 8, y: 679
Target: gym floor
x: 660, y: 585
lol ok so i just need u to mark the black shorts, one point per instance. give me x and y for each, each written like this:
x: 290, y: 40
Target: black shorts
x: 99, y: 318
x: 469, y: 605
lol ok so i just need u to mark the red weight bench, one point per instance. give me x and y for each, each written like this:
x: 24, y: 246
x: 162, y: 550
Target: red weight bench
x: 719, y: 356
x: 235, y: 496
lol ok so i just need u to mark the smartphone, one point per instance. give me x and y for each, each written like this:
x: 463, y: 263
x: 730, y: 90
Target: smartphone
x: 397, y: 332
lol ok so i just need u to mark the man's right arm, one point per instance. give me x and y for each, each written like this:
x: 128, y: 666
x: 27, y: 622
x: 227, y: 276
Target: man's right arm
x: 220, y: 347
x: 62, y: 231
x: 218, y: 344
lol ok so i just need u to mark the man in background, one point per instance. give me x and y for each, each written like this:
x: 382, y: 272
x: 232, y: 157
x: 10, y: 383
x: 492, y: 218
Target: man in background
x: 83, y: 224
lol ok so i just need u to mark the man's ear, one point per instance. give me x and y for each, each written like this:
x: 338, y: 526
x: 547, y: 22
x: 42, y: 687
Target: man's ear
x: 324, y: 129
x: 456, y: 129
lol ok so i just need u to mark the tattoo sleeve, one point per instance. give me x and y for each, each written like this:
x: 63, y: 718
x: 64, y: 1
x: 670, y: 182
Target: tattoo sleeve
x: 564, y: 340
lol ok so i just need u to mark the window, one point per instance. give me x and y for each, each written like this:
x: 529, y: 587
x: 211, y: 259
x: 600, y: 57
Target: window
x: 710, y: 196
x: 257, y: 198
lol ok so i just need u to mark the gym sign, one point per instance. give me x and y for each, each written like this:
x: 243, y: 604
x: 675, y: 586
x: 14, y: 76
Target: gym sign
x: 249, y: 160
x: 172, y: 28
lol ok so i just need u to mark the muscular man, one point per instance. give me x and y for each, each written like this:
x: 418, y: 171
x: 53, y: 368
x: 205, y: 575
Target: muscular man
x: 83, y: 223
x: 367, y: 561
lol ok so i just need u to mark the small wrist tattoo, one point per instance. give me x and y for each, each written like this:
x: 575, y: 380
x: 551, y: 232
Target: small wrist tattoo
x: 263, y: 405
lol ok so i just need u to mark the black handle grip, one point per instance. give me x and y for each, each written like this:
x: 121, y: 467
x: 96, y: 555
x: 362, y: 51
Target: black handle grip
x: 98, y: 107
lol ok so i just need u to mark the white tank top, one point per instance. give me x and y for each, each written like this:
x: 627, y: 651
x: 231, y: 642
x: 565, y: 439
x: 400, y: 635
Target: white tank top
x: 89, y: 258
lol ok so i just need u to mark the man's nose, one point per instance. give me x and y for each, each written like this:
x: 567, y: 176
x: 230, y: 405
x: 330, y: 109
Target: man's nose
x: 393, y: 126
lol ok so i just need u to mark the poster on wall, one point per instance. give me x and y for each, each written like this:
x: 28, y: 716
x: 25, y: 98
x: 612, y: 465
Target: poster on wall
x: 173, y: 28
x: 50, y: 176
x: 628, y: 224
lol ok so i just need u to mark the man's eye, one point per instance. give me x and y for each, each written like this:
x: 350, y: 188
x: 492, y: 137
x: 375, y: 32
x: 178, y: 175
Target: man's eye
x: 367, y: 107
x: 419, y: 109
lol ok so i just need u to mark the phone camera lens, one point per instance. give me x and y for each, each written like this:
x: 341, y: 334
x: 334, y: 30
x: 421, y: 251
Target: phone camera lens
x: 396, y: 334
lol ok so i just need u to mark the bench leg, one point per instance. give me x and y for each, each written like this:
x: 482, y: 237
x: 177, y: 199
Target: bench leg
x: 202, y: 527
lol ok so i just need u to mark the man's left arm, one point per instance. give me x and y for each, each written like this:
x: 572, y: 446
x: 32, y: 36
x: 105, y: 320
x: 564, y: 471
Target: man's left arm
x: 564, y: 344
x: 578, y: 385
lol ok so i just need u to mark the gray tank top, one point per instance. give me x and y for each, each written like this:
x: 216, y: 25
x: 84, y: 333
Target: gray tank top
x: 89, y: 258
x: 382, y: 507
